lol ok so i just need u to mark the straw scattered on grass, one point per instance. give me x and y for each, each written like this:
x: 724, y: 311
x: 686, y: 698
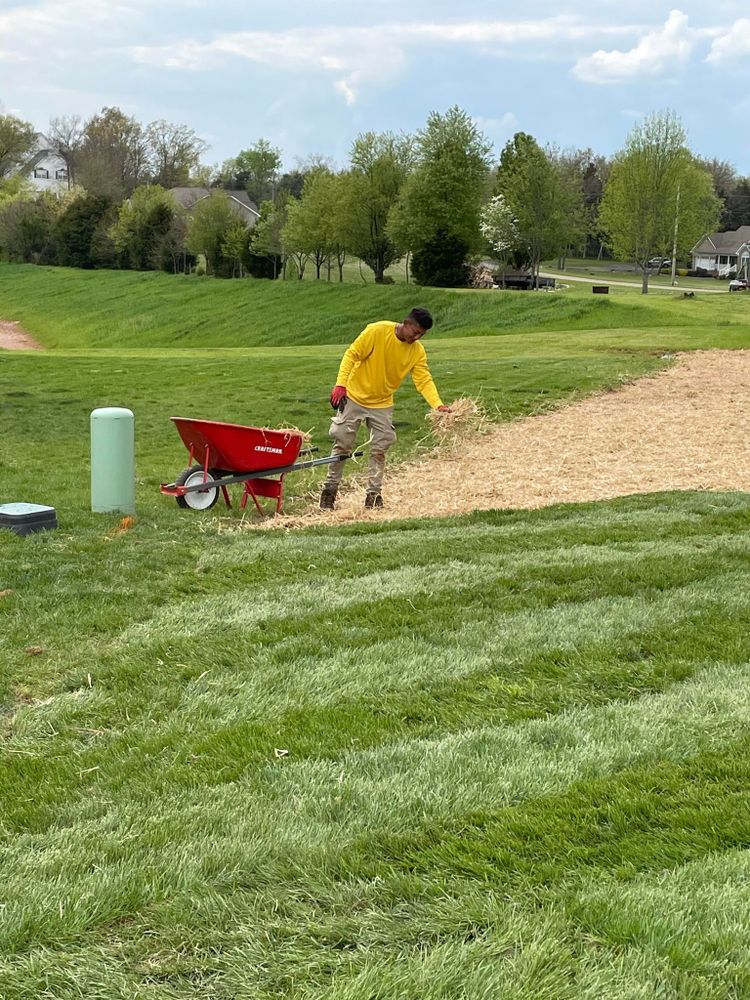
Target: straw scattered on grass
x: 465, y: 417
x: 684, y: 428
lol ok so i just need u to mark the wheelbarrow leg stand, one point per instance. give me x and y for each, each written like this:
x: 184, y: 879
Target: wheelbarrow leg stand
x: 273, y: 488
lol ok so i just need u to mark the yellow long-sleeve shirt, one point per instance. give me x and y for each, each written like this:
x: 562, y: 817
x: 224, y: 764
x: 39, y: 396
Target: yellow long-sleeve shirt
x: 378, y: 362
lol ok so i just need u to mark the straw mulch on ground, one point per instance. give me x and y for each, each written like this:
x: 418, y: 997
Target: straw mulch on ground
x: 684, y: 428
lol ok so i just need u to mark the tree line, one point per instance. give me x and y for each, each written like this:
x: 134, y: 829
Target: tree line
x: 436, y: 199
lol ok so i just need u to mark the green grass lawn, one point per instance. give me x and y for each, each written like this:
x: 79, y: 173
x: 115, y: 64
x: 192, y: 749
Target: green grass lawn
x: 503, y: 755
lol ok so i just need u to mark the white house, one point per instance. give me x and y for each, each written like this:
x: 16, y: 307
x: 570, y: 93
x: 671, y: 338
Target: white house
x: 46, y: 170
x: 722, y: 254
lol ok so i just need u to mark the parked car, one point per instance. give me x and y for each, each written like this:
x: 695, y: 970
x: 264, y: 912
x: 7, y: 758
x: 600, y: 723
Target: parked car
x: 657, y: 263
x: 738, y: 285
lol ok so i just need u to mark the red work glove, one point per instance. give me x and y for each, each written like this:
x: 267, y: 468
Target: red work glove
x: 338, y: 397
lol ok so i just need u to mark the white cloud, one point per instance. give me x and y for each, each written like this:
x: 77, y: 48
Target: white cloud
x: 52, y: 30
x: 500, y: 127
x: 359, y: 55
x: 344, y: 88
x: 731, y: 44
x: 563, y: 28
x: 51, y: 27
x: 658, y: 52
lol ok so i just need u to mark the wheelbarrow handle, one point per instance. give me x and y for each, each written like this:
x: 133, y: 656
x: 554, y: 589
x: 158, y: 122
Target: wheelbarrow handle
x: 264, y: 473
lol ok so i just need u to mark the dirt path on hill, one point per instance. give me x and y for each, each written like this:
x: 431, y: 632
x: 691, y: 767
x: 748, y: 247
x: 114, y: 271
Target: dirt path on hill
x: 684, y: 428
x: 13, y: 338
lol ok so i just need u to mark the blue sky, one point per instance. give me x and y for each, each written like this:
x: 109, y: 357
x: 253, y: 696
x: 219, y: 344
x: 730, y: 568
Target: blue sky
x: 309, y: 76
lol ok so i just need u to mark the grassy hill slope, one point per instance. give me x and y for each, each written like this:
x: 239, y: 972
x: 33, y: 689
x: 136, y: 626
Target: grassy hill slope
x: 78, y: 309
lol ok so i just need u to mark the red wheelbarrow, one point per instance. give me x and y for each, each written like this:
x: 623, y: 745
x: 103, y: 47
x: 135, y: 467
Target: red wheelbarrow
x: 233, y: 453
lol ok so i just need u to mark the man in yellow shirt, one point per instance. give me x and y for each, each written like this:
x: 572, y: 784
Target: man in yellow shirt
x: 371, y: 370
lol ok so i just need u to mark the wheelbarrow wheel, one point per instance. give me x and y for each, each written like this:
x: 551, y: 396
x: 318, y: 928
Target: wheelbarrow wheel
x: 200, y: 499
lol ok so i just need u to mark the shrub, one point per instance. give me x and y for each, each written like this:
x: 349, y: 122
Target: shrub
x: 144, y: 225
x: 263, y: 265
x: 27, y: 229
x: 76, y: 230
x: 442, y: 262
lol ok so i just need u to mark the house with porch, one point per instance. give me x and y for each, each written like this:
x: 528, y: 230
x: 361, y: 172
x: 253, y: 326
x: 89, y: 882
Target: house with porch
x: 724, y: 254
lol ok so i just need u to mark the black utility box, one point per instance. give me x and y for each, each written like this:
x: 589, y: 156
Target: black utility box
x: 26, y: 518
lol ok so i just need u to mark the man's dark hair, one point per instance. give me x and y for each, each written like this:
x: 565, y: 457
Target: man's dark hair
x: 422, y: 317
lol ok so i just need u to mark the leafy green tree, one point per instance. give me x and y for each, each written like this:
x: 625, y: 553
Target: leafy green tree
x: 174, y: 153
x: 446, y: 190
x: 658, y: 198
x: 291, y: 183
x: 266, y: 250
x: 27, y: 228
x: 316, y: 223
x: 725, y: 181
x: 235, y: 247
x: 379, y: 166
x: 171, y: 251
x: 582, y: 174
x: 442, y: 261
x: 737, y: 206
x: 80, y: 231
x: 143, y: 224
x: 12, y: 186
x: 205, y: 176
x: 256, y: 170
x: 212, y: 220
x: 543, y: 200
x: 296, y: 238
x: 17, y: 140
x: 112, y: 158
x: 498, y: 227
x: 338, y: 222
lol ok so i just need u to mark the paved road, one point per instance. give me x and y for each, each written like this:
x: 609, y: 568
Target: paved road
x: 632, y: 284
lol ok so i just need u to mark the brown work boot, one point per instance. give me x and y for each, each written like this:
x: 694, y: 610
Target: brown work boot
x: 328, y: 497
x: 373, y: 500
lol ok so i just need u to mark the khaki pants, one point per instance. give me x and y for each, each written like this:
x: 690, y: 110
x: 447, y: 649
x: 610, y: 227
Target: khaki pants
x: 344, y: 427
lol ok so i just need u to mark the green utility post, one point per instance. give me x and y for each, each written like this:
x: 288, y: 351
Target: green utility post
x: 112, y: 460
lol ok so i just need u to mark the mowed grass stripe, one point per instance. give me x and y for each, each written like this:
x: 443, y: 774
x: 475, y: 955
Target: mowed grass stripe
x: 293, y: 818
x: 307, y: 670
x: 693, y: 920
x: 619, y: 826
x: 270, y: 672
x: 126, y: 578
x: 356, y: 899
x: 209, y: 716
